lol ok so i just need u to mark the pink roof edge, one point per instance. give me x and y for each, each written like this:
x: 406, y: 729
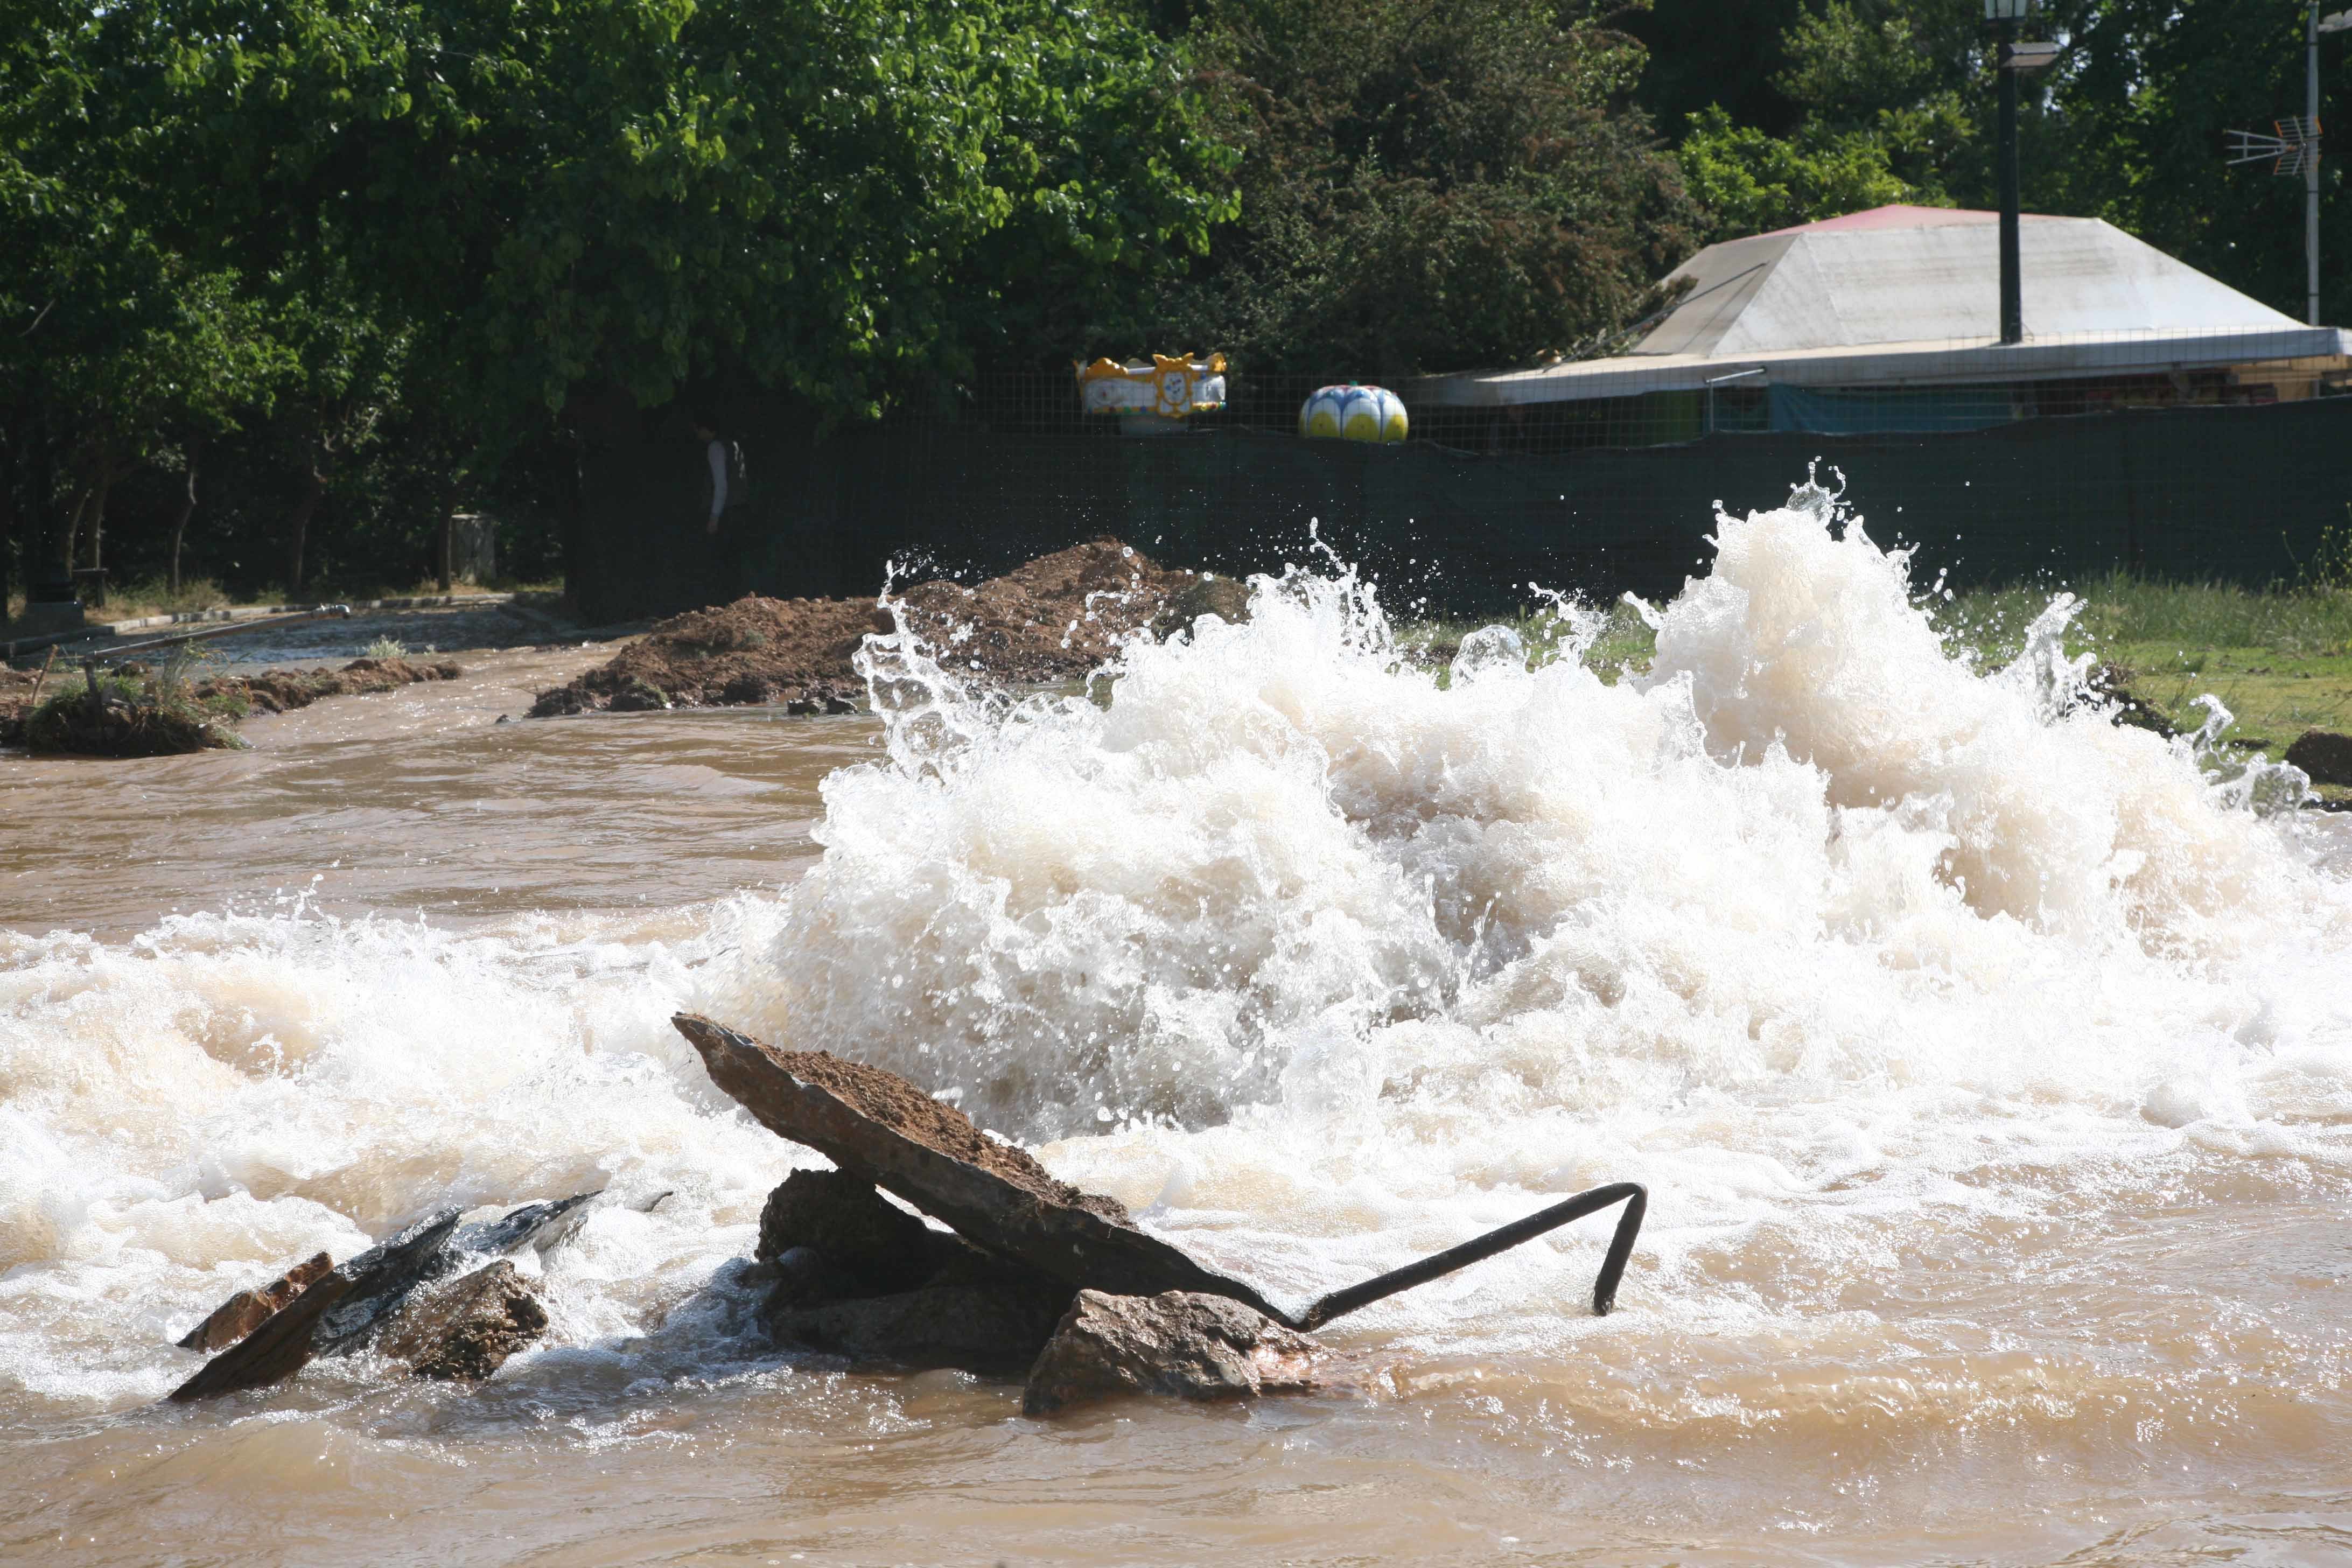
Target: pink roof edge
x: 1900, y: 215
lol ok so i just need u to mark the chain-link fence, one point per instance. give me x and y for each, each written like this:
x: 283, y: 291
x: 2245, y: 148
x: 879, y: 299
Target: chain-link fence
x: 2230, y: 470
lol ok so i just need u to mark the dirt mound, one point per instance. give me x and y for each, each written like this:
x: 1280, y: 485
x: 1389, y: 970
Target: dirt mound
x: 143, y: 715
x: 1054, y: 620
x: 281, y: 691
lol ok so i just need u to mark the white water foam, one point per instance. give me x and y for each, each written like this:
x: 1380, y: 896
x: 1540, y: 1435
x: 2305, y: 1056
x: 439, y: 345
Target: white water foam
x: 1317, y: 961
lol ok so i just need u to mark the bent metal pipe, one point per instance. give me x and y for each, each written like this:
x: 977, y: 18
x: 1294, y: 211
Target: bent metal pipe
x: 1635, y: 1198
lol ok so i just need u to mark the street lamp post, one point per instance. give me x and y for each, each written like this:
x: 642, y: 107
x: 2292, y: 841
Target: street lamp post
x: 2014, y: 60
x: 2312, y: 27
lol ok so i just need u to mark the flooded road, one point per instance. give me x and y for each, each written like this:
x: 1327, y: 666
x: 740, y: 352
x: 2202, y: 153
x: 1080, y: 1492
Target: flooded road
x: 1989, y: 1066
x: 419, y: 801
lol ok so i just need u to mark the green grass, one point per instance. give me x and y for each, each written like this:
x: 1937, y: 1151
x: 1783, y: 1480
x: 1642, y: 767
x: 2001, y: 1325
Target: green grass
x: 1625, y: 641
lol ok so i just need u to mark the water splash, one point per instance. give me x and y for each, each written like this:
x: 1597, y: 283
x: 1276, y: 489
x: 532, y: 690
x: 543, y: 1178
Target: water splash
x: 1311, y: 956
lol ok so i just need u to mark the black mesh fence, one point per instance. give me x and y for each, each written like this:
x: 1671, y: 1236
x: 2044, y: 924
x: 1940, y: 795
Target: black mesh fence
x: 2189, y: 476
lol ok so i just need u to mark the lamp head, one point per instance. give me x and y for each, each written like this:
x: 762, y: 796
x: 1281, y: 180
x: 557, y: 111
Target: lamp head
x: 2007, y: 10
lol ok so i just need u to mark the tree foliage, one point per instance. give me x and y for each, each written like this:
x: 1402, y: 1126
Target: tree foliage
x: 1873, y: 96
x: 440, y: 218
x: 1427, y: 185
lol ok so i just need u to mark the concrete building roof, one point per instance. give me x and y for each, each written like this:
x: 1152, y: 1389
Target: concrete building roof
x: 1908, y: 295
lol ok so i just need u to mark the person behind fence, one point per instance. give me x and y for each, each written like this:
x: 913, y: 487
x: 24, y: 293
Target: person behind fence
x: 726, y: 489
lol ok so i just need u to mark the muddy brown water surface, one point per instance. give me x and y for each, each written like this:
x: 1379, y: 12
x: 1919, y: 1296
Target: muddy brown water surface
x: 420, y: 801
x: 1974, y: 1238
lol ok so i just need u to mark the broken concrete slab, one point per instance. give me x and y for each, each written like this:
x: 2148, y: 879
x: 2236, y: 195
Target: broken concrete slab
x: 331, y: 1316
x: 274, y: 1351
x: 249, y: 1310
x: 882, y: 1128
x: 1180, y: 1343
x: 342, y: 1310
x: 465, y: 1329
x: 536, y: 1226
x: 382, y: 1277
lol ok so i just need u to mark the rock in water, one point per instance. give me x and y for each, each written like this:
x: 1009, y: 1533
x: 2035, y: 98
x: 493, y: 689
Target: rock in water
x: 382, y: 1277
x: 994, y: 1327
x: 465, y: 1329
x: 249, y: 1310
x: 881, y: 1128
x: 331, y: 1316
x: 843, y: 1219
x: 273, y: 1353
x: 857, y: 1277
x: 2325, y: 757
x: 537, y: 1226
x: 1180, y: 1342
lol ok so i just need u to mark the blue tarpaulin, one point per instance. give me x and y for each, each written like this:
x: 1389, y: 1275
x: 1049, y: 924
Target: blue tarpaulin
x: 1878, y: 410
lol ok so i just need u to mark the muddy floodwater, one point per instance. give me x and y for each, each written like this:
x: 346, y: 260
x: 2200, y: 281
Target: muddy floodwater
x: 1990, y: 1068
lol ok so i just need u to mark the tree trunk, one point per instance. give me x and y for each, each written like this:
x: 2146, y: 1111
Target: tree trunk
x: 187, y: 506
x: 7, y: 514
x: 97, y: 515
x: 73, y: 525
x: 304, y: 510
x: 446, y: 559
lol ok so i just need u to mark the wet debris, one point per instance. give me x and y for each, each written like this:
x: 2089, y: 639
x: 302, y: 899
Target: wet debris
x: 1181, y: 1344
x: 364, y: 1304
x: 881, y: 1128
x: 1037, y: 1274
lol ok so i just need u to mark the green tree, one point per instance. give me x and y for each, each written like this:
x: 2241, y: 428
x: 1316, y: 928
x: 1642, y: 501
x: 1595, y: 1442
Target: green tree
x: 1428, y: 186
x: 1749, y: 182
x: 116, y: 348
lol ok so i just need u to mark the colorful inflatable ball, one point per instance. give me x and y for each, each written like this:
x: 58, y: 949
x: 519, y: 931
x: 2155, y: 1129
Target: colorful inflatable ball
x: 1352, y: 413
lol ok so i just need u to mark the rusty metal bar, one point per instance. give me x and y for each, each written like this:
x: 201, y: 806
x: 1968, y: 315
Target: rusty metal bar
x: 1635, y: 1198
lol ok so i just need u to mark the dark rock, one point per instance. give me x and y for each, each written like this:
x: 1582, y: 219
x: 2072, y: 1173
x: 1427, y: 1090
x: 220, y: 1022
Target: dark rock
x: 876, y: 1125
x: 382, y: 1277
x: 249, y: 1310
x: 804, y: 706
x: 536, y: 1226
x: 852, y: 1226
x: 1178, y: 1343
x: 839, y: 705
x: 274, y: 1351
x: 2112, y: 684
x: 346, y: 1310
x: 638, y: 697
x: 1227, y: 598
x: 465, y: 1329
x: 746, y: 689
x: 2325, y: 757
x: 984, y: 1328
x: 331, y: 1316
x: 803, y: 1276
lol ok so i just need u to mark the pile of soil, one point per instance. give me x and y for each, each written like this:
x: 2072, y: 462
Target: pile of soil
x: 1054, y: 620
x: 281, y: 691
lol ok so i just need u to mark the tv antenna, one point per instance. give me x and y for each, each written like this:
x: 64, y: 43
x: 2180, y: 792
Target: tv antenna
x: 2291, y: 147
